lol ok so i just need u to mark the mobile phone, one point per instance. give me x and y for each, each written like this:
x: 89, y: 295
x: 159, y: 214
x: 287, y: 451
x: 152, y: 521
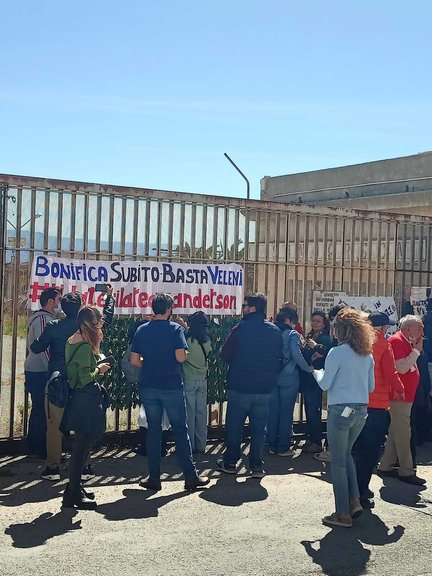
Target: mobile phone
x: 108, y: 360
x: 100, y: 287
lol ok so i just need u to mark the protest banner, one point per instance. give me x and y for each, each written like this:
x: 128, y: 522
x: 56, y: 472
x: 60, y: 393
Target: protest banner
x: 325, y: 301
x: 384, y: 304
x: 217, y: 289
x: 418, y: 298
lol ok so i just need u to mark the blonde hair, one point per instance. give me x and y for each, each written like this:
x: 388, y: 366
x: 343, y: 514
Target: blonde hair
x: 351, y: 327
x: 88, y: 320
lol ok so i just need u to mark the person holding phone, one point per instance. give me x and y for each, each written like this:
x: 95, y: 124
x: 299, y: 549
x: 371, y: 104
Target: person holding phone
x: 85, y: 413
x: 349, y: 378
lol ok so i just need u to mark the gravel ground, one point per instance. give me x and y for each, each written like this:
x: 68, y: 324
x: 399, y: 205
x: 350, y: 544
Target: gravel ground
x: 237, y: 526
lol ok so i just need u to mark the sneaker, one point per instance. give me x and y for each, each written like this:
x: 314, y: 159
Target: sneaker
x: 311, y: 448
x: 51, y: 474
x: 413, y: 479
x: 195, y: 483
x: 340, y: 520
x: 227, y: 468
x: 151, y: 484
x: 87, y: 493
x: 87, y: 473
x: 289, y: 452
x: 258, y: 473
x: 324, y: 456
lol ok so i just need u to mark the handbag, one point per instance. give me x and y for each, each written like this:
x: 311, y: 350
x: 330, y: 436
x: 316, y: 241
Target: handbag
x: 58, y: 391
x: 131, y: 372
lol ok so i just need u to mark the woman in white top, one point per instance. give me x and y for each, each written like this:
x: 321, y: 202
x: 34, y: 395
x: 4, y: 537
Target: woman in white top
x: 348, y: 377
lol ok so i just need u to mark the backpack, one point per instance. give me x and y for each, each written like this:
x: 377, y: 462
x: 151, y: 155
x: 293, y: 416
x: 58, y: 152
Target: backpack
x: 58, y: 391
x: 131, y: 372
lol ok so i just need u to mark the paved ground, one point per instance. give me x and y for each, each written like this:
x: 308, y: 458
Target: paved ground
x: 238, y: 526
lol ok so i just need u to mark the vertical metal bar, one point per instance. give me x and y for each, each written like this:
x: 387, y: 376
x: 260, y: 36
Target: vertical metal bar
x: 147, y: 228
x: 193, y: 231
x: 277, y: 216
x: 86, y: 224
x: 98, y: 224
x: 59, y: 222
x: 15, y: 304
x: 159, y: 224
x: 215, y: 231
x: 237, y: 238
x: 204, y: 234
x: 72, y: 239
x: 170, y: 229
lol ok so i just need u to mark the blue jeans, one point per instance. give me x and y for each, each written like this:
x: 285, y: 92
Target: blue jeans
x: 173, y: 401
x: 35, y: 383
x: 366, y: 450
x: 240, y: 406
x: 196, y: 408
x: 342, y: 433
x: 312, y: 396
x: 280, y: 419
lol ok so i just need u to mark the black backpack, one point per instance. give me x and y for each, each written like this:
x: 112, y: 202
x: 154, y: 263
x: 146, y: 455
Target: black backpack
x: 58, y: 390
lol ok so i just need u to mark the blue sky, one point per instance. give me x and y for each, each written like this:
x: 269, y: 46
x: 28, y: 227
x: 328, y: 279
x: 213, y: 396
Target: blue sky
x: 152, y: 93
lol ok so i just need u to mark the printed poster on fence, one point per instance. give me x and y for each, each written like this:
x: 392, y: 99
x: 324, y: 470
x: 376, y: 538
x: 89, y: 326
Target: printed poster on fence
x: 384, y: 304
x: 325, y: 301
x: 217, y: 289
x: 418, y: 297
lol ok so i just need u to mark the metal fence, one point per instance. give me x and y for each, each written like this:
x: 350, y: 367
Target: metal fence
x: 287, y: 251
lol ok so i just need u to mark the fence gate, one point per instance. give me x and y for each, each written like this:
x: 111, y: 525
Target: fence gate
x: 287, y: 252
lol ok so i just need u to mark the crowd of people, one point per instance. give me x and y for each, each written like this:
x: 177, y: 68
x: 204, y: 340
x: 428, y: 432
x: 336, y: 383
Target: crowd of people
x: 372, y: 384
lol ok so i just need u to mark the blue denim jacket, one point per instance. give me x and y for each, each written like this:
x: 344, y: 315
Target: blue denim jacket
x: 292, y: 357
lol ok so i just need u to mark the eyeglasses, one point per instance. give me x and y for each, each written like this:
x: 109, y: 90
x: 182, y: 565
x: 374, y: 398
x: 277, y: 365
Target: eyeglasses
x: 245, y: 305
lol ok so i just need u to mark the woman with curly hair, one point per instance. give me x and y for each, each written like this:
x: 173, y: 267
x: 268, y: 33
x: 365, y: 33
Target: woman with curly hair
x: 348, y: 377
x: 85, y: 413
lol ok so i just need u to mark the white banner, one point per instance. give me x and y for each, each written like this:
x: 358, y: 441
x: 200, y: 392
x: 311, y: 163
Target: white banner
x: 384, y: 304
x: 418, y: 298
x: 213, y: 288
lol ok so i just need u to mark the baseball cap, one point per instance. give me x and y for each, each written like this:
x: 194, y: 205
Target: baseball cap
x: 380, y: 319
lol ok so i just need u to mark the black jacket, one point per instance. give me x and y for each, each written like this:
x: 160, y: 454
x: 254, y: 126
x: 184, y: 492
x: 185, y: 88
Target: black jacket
x: 56, y: 334
x: 253, y: 351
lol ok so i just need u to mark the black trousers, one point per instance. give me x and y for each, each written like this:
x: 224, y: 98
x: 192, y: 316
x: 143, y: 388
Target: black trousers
x: 81, y: 449
x: 366, y: 450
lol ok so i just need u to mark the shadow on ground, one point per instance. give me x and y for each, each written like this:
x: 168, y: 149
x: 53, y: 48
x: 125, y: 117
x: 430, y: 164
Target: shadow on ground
x: 341, y: 551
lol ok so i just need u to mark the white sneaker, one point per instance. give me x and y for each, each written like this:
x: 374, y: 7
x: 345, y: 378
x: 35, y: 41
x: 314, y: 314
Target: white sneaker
x: 323, y: 456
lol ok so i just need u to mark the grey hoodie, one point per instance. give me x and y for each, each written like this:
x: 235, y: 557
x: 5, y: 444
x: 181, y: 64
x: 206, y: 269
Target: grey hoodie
x: 35, y: 326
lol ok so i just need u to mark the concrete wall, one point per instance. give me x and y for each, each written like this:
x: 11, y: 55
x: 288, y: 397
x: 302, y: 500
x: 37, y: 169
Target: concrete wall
x: 395, y: 185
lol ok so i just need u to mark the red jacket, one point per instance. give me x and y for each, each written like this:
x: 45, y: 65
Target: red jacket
x: 387, y: 381
x: 401, y: 349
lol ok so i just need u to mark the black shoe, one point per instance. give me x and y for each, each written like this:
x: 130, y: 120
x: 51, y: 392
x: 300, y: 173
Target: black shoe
x: 367, y: 503
x: 413, y: 479
x: 52, y: 474
x: 78, y: 501
x: 87, y: 493
x: 150, y: 484
x: 227, y: 468
x: 368, y: 493
x: 388, y: 473
x: 87, y: 473
x: 197, y: 482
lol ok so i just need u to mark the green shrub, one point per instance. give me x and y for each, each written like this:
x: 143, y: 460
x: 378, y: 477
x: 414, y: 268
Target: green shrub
x: 125, y: 395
